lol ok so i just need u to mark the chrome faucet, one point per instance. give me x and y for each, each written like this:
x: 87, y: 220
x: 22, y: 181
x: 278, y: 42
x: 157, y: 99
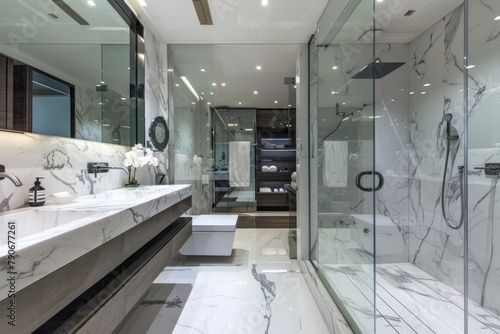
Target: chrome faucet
x: 10, y: 176
x: 102, y: 167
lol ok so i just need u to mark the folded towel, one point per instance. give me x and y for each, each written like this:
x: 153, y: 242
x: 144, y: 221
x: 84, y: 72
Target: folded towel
x: 280, y: 146
x: 269, y: 145
x: 275, y: 190
x: 335, y: 163
x: 239, y: 163
x: 273, y: 168
x: 282, y: 190
x: 293, y: 184
x: 265, y: 190
x: 294, y: 177
x: 265, y: 169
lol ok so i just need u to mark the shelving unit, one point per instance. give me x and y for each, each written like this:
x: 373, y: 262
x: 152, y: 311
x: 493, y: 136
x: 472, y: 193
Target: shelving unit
x: 274, y: 127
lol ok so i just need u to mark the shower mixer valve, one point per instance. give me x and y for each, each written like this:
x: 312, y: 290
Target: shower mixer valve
x: 491, y: 168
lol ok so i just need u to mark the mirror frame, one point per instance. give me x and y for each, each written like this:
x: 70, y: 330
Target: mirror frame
x: 153, y: 128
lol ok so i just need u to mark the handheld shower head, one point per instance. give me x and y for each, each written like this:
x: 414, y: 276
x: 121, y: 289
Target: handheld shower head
x: 447, y: 118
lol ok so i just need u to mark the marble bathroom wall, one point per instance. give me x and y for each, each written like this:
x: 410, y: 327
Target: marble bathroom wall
x: 61, y: 161
x: 156, y: 99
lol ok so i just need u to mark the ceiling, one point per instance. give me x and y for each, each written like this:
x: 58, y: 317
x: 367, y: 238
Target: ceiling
x: 26, y: 22
x: 245, y: 34
x: 233, y: 69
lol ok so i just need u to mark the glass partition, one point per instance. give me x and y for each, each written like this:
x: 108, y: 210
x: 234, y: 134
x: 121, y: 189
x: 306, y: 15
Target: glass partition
x: 342, y: 159
x: 483, y: 165
x: 232, y: 125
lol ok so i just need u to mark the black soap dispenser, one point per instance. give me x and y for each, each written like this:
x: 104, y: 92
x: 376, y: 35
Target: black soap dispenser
x: 37, y: 194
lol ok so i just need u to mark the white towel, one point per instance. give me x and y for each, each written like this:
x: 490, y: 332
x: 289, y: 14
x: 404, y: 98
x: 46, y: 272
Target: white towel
x: 239, y: 164
x: 335, y: 163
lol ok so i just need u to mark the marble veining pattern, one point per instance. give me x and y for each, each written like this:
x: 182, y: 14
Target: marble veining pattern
x: 156, y: 98
x: 76, y: 228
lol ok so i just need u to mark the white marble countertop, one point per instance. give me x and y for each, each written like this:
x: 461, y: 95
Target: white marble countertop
x: 51, y: 236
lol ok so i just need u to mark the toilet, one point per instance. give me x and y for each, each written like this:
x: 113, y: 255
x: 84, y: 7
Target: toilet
x: 213, y: 235
x: 390, y: 240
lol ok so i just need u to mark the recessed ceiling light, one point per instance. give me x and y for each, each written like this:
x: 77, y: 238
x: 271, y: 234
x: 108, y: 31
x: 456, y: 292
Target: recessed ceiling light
x: 294, y: 86
x: 427, y: 85
x: 258, y: 67
x: 289, y: 105
x: 265, y: 2
x: 411, y: 93
x: 334, y: 67
x: 176, y: 85
x: 380, y: 0
x: 422, y: 93
x: 193, y: 102
x: 497, y: 18
x: 91, y: 3
x: 214, y: 84
x: 202, y: 93
x: 170, y: 70
x: 223, y: 84
x: 275, y: 101
x: 392, y: 100
x: 209, y: 103
x: 239, y: 102
x: 124, y: 98
x: 343, y: 103
x: 203, y: 70
x: 334, y: 92
x: 470, y: 66
x: 255, y: 92
x: 142, y: 3
x: 211, y: 93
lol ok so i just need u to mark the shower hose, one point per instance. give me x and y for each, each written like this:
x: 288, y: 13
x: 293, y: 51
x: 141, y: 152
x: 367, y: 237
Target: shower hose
x: 461, y: 170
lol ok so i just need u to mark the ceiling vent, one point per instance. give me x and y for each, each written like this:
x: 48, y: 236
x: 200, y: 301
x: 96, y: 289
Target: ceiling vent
x: 52, y: 15
x: 203, y: 12
x: 71, y: 12
x: 409, y: 13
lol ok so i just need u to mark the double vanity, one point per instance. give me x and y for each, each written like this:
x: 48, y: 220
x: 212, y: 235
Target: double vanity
x: 63, y: 250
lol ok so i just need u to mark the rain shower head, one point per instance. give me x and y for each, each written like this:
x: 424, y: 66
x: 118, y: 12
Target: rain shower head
x: 377, y: 70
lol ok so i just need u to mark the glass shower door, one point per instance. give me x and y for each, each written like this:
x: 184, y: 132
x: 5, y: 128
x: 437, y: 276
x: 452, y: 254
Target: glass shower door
x: 483, y: 193
x: 342, y: 178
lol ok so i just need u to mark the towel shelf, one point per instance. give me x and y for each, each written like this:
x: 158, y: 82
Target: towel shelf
x: 270, y: 134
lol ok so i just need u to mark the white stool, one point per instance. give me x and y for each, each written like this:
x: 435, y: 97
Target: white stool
x: 213, y: 235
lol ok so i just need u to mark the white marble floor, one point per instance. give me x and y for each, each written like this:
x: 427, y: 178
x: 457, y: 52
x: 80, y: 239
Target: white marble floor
x: 256, y: 290
x: 408, y: 300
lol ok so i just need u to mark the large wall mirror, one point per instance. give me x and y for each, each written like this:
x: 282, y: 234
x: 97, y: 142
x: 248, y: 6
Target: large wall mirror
x: 72, y: 68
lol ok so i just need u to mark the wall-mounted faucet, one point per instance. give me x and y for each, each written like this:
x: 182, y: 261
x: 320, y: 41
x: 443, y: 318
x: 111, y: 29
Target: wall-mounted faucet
x: 102, y: 167
x: 10, y: 176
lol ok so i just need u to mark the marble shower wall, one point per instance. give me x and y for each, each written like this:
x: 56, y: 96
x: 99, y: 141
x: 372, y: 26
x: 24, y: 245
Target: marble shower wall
x: 437, y: 58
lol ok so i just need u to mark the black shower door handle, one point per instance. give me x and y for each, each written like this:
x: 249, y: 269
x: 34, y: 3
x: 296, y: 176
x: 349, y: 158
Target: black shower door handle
x: 380, y: 181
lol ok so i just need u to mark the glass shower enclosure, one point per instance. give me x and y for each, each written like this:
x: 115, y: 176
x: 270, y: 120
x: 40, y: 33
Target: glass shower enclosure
x: 404, y: 160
